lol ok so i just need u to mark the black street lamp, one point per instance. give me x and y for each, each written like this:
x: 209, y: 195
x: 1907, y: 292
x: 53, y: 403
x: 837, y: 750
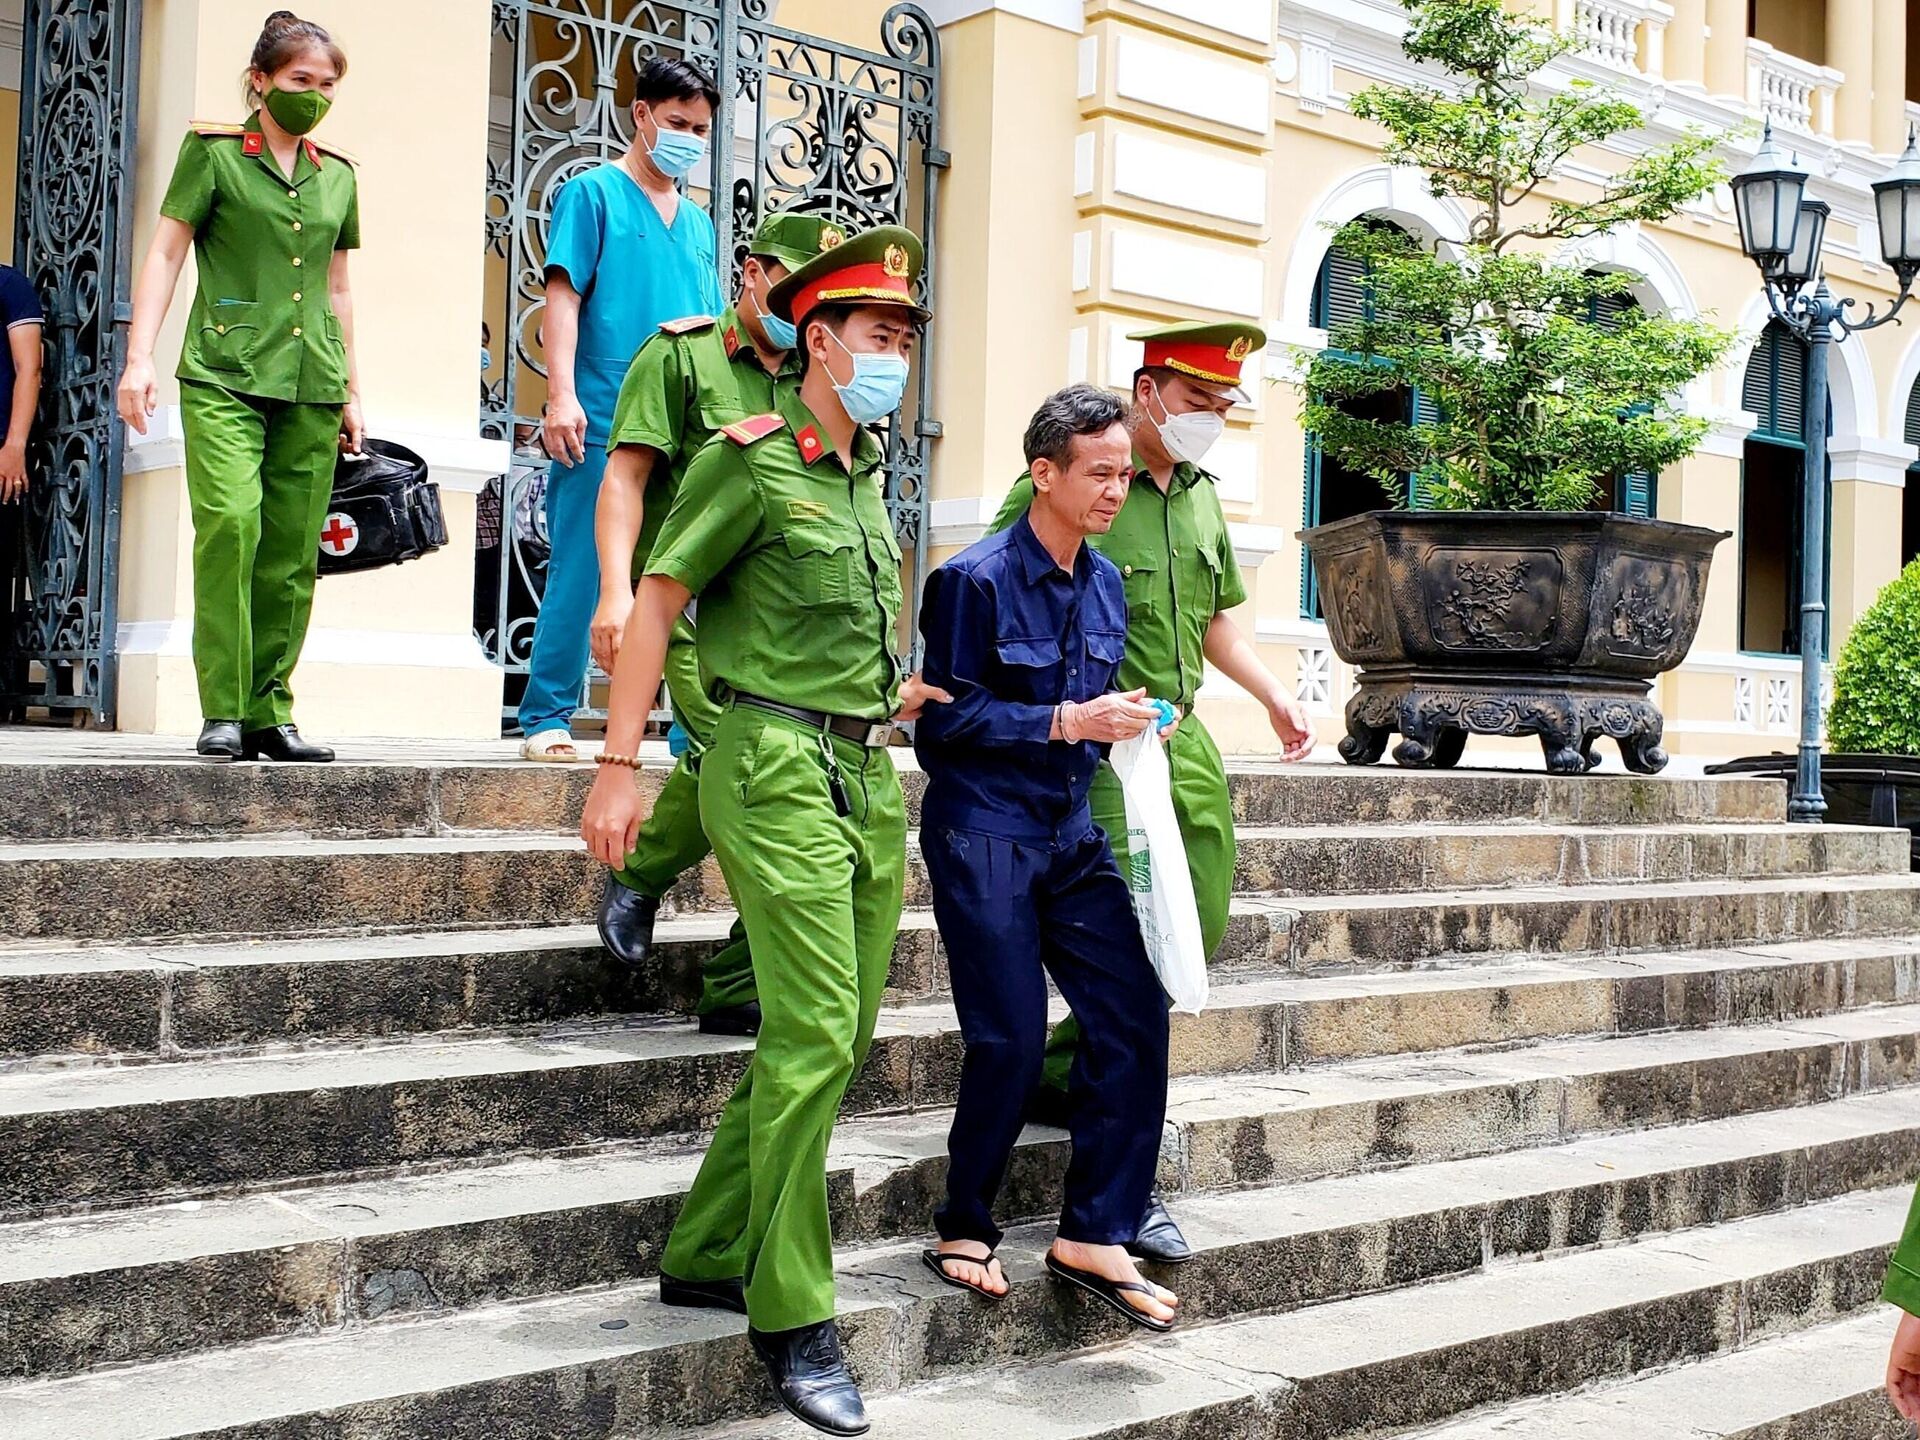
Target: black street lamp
x: 1782, y: 231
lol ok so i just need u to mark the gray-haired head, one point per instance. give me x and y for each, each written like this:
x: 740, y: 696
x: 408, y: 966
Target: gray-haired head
x: 1065, y: 414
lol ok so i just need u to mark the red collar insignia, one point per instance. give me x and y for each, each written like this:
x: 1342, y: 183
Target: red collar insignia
x: 732, y: 341
x: 811, y: 446
x: 313, y: 153
x: 252, y: 143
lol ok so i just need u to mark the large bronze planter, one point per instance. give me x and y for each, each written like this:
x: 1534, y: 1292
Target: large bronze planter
x: 1508, y: 623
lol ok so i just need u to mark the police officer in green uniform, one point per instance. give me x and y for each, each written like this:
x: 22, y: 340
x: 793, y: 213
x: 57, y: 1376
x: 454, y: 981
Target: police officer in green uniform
x: 268, y: 387
x: 689, y: 379
x: 1902, y: 1288
x: 781, y: 530
x: 1177, y: 563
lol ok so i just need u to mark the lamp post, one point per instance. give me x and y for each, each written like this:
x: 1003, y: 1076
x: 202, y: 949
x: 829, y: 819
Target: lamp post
x: 1782, y: 231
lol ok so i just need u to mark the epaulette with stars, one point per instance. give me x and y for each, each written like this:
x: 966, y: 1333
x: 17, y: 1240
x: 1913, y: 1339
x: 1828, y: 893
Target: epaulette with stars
x: 755, y: 427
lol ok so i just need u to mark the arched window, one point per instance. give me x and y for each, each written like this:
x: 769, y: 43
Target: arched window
x: 1341, y: 295
x: 1635, y: 492
x: 1910, y: 496
x: 1771, y: 478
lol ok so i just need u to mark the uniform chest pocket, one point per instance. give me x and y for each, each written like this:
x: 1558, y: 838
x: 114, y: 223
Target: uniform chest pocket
x: 1031, y: 667
x: 1141, y: 575
x: 230, y: 335
x: 824, y: 558
x: 1105, y: 650
x: 1200, y: 580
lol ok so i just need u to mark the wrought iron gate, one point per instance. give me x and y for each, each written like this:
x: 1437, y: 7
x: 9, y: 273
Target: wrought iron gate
x: 79, y: 100
x: 804, y: 122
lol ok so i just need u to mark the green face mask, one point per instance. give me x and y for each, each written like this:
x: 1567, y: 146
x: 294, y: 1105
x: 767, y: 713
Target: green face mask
x: 296, y: 111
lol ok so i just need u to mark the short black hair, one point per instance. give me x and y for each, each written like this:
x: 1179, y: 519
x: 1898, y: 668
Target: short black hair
x: 1076, y: 410
x: 833, y: 314
x: 662, y: 78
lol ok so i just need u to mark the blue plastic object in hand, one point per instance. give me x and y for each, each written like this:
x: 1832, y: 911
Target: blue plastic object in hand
x: 1167, y: 714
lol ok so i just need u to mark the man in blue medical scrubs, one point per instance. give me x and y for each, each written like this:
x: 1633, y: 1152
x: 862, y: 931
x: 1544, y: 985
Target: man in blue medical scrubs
x: 625, y: 251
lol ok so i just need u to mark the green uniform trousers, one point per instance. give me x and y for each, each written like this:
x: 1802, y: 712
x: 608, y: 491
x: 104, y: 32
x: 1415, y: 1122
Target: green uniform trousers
x: 1205, y: 811
x: 673, y: 841
x: 821, y: 897
x: 259, y: 477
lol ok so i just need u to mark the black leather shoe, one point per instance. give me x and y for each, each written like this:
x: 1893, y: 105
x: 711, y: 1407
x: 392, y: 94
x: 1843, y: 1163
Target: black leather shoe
x: 1159, y: 1239
x: 626, y: 923
x: 811, y: 1378
x: 704, y: 1294
x: 733, y: 1020
x: 283, y: 742
x: 1050, y: 1105
x: 219, y: 740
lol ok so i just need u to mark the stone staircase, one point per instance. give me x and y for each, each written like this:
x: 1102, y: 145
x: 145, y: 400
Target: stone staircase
x: 321, y: 1118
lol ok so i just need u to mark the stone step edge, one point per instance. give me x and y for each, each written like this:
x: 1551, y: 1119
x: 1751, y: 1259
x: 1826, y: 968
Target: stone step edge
x: 281, y: 846
x: 286, y: 1260
x: 1241, y: 987
x: 1827, y: 1381
x: 1699, y: 1293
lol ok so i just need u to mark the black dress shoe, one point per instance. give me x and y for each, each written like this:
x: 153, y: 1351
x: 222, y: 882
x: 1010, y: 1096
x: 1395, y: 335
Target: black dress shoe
x: 219, y: 740
x: 1159, y: 1239
x: 704, y: 1294
x: 733, y: 1020
x: 811, y: 1378
x: 283, y: 742
x: 626, y: 923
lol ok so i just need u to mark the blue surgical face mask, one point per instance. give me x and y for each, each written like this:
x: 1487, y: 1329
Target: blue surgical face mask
x: 675, y: 152
x: 879, y: 384
x: 780, y: 334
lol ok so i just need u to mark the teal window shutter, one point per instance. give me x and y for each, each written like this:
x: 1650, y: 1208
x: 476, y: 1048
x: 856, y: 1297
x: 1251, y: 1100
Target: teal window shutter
x: 1309, y: 589
x: 1423, y: 409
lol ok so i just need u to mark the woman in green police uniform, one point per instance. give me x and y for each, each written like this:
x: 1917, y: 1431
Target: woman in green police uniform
x: 268, y: 388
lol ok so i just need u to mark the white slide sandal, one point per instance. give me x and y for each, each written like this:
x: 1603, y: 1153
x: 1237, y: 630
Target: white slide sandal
x: 550, y: 747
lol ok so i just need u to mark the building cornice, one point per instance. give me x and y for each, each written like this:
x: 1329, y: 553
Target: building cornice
x: 1068, y: 15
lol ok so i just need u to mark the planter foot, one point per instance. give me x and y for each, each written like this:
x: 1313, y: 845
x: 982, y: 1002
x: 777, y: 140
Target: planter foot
x: 1364, y: 744
x: 1642, y: 753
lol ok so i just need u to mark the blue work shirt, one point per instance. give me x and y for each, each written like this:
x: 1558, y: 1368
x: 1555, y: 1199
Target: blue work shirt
x: 1011, y: 636
x: 633, y: 271
x: 19, y: 305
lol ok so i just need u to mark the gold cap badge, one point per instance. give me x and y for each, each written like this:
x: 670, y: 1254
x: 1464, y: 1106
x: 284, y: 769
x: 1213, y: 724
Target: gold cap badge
x: 830, y: 236
x: 1241, y: 348
x: 894, y: 262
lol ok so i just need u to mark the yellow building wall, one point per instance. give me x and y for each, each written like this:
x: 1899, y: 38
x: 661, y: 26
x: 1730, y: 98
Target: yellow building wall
x: 9, y: 170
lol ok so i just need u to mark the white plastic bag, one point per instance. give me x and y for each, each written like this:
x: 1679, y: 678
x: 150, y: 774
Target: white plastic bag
x: 1157, y: 871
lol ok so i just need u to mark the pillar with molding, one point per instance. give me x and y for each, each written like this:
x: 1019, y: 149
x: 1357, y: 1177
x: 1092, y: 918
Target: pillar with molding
x: 390, y: 652
x: 1726, y: 47
x: 1004, y: 249
x: 1851, y: 42
x: 1890, y: 80
x: 1686, y: 40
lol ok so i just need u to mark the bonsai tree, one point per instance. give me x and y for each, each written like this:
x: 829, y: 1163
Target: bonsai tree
x: 1537, y: 403
x: 1876, y: 685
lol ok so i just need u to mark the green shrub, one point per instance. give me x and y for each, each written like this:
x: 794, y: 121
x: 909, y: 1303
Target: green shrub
x: 1876, y: 685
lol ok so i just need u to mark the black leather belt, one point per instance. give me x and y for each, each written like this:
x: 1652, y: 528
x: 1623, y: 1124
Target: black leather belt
x: 874, y: 734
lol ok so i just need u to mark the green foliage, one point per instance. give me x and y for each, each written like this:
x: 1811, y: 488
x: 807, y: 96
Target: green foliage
x: 1538, y: 403
x: 1876, y: 685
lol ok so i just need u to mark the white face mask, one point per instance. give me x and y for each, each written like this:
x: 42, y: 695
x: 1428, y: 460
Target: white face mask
x: 1188, y: 437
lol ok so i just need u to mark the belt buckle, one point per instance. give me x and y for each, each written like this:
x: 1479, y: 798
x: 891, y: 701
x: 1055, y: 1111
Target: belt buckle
x: 879, y: 736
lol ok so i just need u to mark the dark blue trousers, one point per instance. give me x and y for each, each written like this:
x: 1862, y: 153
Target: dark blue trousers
x: 1009, y: 916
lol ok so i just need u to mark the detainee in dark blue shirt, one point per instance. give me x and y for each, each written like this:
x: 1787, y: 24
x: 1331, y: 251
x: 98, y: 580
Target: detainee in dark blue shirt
x: 21, y: 313
x: 1026, y: 630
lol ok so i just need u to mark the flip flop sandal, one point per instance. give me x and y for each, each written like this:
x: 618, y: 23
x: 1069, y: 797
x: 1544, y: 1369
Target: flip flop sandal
x: 936, y: 1262
x: 1112, y: 1292
x: 550, y: 747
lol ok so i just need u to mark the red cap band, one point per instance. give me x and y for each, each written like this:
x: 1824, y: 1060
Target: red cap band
x: 856, y: 283
x: 1203, y: 361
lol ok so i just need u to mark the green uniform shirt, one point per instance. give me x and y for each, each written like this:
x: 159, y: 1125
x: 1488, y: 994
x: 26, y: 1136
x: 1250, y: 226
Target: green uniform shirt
x: 1178, y: 565
x: 683, y: 385
x: 795, y: 564
x: 262, y: 322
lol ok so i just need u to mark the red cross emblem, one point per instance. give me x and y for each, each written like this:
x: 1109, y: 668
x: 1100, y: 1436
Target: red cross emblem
x: 339, y: 536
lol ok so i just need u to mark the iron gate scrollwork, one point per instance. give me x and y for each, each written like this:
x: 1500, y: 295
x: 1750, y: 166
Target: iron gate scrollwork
x: 804, y: 123
x: 79, y: 103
